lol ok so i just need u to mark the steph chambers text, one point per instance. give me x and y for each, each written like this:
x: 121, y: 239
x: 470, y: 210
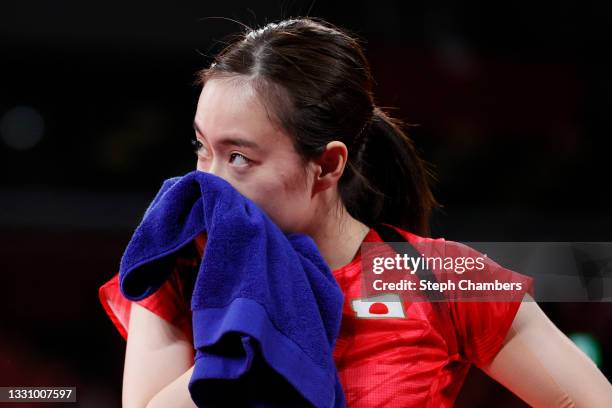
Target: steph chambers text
x: 463, y: 284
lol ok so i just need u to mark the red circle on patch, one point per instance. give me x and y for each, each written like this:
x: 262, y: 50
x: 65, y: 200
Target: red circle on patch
x: 378, y: 308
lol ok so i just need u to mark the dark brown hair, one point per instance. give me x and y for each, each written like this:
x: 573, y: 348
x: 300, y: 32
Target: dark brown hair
x: 316, y: 83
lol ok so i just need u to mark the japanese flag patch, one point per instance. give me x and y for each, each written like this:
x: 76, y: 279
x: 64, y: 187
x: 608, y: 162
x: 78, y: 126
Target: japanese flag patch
x: 379, y: 307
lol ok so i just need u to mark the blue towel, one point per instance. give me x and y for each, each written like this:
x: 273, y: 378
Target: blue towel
x: 266, y: 307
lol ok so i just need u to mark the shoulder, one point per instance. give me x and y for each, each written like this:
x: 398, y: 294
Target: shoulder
x: 441, y: 245
x: 411, y: 236
x: 427, y: 244
x: 171, y: 301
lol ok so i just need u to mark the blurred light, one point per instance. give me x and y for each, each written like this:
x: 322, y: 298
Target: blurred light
x: 589, y: 344
x: 21, y: 128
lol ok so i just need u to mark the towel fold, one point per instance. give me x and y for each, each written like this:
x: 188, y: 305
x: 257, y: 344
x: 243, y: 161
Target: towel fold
x: 266, y: 308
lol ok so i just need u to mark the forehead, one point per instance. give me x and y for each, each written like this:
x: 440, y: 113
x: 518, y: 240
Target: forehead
x: 228, y: 105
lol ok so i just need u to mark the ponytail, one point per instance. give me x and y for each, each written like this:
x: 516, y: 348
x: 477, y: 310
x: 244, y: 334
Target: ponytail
x: 387, y: 181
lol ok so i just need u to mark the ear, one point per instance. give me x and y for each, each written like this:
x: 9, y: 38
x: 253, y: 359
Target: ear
x: 330, y: 166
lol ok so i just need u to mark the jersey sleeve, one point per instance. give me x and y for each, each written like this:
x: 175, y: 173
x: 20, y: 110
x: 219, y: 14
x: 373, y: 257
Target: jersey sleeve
x: 171, y: 301
x: 481, y: 326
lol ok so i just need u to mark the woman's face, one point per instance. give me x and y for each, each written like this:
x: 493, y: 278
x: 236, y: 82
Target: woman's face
x: 239, y: 143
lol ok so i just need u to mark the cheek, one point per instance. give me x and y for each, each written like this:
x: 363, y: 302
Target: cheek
x: 285, y: 200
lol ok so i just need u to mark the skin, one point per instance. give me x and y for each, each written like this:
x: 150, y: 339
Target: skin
x: 159, y: 359
x: 544, y: 368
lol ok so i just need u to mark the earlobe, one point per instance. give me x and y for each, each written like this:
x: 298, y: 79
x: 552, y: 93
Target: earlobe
x: 330, y: 166
x: 320, y: 182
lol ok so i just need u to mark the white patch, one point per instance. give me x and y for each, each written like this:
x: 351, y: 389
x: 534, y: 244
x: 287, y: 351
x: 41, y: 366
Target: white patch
x: 384, y: 306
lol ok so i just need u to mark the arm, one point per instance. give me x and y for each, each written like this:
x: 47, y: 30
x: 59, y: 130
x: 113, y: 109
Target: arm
x: 158, y: 363
x: 544, y: 367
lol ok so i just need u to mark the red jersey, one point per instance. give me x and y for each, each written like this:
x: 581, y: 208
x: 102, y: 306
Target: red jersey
x: 418, y: 360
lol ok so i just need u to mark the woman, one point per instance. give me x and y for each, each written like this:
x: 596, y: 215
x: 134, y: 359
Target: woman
x: 287, y: 116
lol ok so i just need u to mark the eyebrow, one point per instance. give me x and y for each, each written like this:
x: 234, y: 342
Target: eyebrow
x: 231, y: 141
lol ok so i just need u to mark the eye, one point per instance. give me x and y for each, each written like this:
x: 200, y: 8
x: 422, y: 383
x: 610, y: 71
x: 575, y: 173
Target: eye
x: 244, y: 159
x: 197, y: 146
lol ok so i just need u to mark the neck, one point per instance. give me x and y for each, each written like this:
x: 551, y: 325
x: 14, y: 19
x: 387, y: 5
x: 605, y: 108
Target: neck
x: 338, y: 237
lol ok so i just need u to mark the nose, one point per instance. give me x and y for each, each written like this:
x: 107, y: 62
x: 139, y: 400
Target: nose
x: 209, y: 166
x: 213, y: 168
